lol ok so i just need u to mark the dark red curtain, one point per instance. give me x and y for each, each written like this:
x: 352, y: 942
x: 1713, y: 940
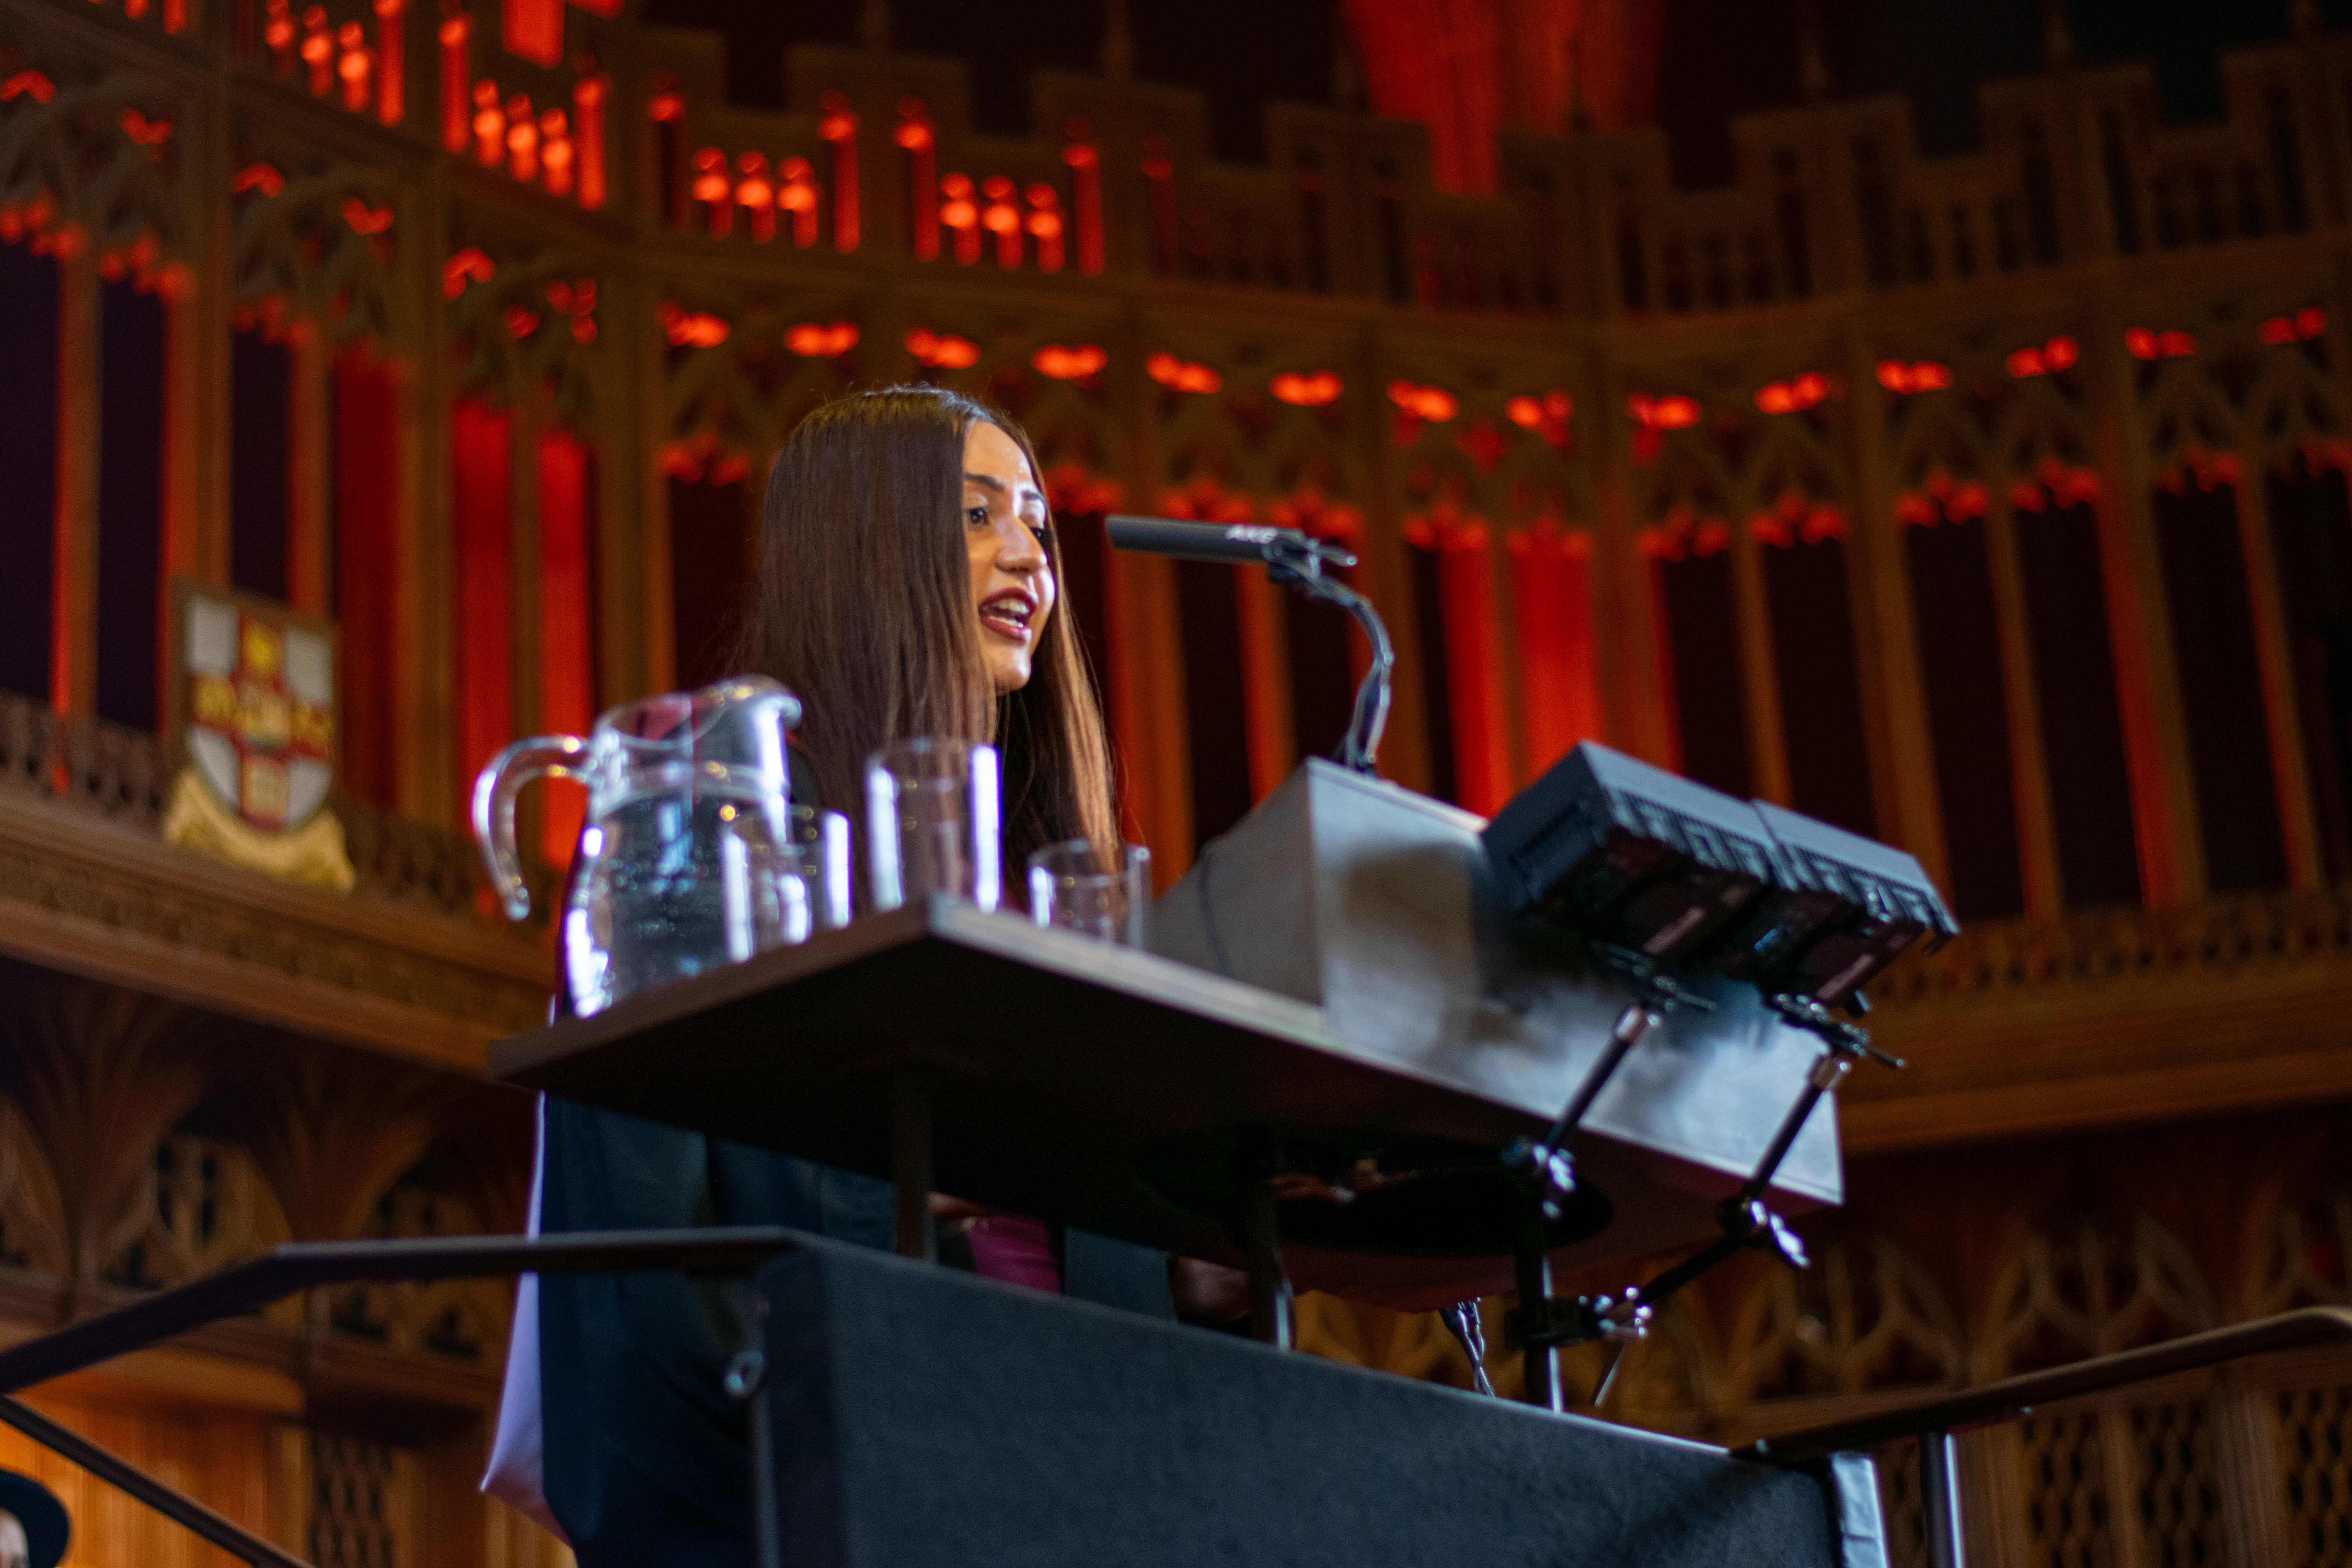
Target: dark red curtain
x: 2082, y: 727
x: 129, y: 503
x: 1820, y: 689
x: 1320, y: 640
x: 2311, y: 523
x: 1085, y: 566
x: 1701, y: 644
x: 1216, y: 721
x: 1552, y: 593
x: 28, y: 467
x: 1967, y: 715
x: 481, y: 457
x: 710, y: 566
x: 1454, y: 601
x: 367, y: 570
x: 1436, y: 672
x: 260, y: 453
x: 2221, y: 685
x: 567, y: 692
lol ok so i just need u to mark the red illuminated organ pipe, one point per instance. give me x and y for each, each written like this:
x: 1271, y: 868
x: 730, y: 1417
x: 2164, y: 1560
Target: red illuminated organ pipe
x: 797, y: 196
x: 1085, y: 196
x: 457, y: 73
x: 319, y: 51
x: 1002, y: 218
x: 1045, y: 222
x: 923, y: 175
x: 588, y: 97
x: 391, y: 77
x: 522, y: 139
x: 838, y: 130
x: 756, y: 194
x: 556, y: 153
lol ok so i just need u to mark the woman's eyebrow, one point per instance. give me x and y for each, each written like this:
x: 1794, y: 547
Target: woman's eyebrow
x: 1027, y: 488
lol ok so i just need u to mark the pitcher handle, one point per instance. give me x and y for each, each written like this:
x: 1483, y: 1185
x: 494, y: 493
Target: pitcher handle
x: 494, y: 788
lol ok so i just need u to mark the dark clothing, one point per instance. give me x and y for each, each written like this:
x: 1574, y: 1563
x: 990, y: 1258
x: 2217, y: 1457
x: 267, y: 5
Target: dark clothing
x: 646, y: 1456
x: 647, y: 1461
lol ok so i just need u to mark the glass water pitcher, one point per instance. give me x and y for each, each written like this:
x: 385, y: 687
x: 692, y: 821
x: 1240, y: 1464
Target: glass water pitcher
x: 684, y: 857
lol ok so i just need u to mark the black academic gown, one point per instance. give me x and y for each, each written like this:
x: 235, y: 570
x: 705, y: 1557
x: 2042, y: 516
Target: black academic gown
x: 647, y: 1459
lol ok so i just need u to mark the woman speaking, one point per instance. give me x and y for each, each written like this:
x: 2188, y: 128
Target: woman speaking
x: 907, y: 585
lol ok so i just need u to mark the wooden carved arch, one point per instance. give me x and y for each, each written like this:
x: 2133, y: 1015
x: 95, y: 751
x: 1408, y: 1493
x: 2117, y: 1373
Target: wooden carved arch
x: 2186, y: 415
x: 33, y: 1224
x: 1214, y: 432
x: 1788, y: 464
x: 1671, y: 1379
x: 1208, y: 482
x: 745, y: 394
x: 1532, y: 480
x: 1866, y: 1317
x: 527, y: 326
x: 2040, y: 429
x: 2294, y: 407
x: 2086, y: 1284
x: 1073, y: 431
x: 325, y: 247
x: 93, y: 154
x: 1686, y: 484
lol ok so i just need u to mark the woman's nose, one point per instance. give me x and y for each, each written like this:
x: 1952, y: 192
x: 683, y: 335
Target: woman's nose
x: 1020, y: 549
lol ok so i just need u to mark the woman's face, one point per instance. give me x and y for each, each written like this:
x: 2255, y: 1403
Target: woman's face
x: 1005, y: 532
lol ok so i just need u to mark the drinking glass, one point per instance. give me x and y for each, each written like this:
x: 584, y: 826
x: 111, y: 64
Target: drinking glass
x: 763, y: 898
x: 933, y: 822
x: 1075, y: 885
x: 820, y: 863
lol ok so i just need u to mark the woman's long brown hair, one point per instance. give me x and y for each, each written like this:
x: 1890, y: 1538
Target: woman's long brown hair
x: 864, y: 608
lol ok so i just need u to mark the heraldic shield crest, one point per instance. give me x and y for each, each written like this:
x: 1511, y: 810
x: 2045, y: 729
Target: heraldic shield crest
x: 253, y: 706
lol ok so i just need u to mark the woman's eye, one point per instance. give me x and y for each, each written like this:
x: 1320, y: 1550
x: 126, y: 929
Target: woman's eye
x: 975, y: 516
x: 1043, y: 531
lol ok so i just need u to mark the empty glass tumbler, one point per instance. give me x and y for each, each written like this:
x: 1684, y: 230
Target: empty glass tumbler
x: 779, y: 890
x: 688, y: 831
x: 1078, y: 887
x: 933, y: 822
x: 813, y: 872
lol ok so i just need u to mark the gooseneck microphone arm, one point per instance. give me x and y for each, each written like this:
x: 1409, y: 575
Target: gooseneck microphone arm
x: 1298, y: 559
x: 1360, y: 748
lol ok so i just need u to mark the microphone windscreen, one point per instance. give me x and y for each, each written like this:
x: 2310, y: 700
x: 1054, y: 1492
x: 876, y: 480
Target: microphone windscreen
x: 1193, y: 540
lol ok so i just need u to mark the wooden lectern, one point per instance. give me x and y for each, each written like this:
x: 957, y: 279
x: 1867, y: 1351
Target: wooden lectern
x: 1383, y: 1030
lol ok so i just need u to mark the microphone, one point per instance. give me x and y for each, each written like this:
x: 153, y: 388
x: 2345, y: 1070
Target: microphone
x: 1235, y: 541
x: 1296, y: 559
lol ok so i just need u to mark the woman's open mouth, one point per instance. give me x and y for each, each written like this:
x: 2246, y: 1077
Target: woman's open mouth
x: 1008, y: 615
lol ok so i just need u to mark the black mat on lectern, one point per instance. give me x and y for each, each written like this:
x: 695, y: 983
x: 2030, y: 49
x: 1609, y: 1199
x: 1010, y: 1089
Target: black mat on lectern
x: 925, y: 1417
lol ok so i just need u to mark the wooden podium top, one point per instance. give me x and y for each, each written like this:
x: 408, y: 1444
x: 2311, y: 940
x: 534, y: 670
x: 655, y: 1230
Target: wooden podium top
x: 1110, y: 1089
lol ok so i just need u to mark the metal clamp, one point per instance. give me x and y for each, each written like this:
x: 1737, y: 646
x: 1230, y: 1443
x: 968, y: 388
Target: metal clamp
x: 1624, y: 1317
x: 1746, y: 1220
x: 1846, y: 1039
x: 1469, y: 1332
x: 1655, y: 993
